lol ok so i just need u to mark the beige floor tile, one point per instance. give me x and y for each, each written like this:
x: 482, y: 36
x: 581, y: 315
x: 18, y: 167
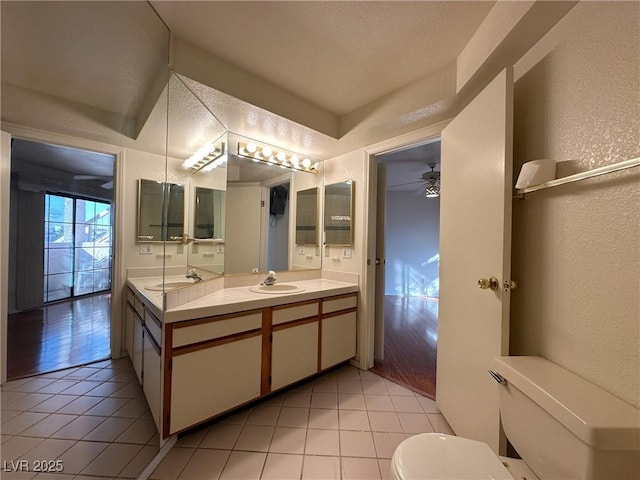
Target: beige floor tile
x: 380, y: 403
x: 398, y: 390
x: 8, y: 415
x: 351, y: 401
x: 49, y: 425
x: 11, y: 474
x: 54, y: 403
x: 293, y: 417
x: 322, y: 442
x: 33, y: 384
x: 139, y: 462
x: 81, y: 373
x: 255, y: 438
x: 105, y: 389
x: 369, y: 376
x: 385, y: 468
x: 324, y: 385
x: 415, y: 423
x: 87, y: 477
x: 8, y: 397
x: 324, y: 400
x: 323, y: 419
x: 134, y: 409
x: 109, y: 430
x: 80, y: 405
x: 108, y: 407
x: 244, y: 466
x: 15, y: 448
x: 172, y: 464
x: 27, y: 402
x: 49, y: 449
x: 81, y: 388
x: 5, y: 438
x: 262, y: 415
x: 428, y: 405
x: 374, y: 388
x: 21, y: 422
x: 57, y: 386
x: 406, y: 404
x: 282, y: 467
x: 79, y: 428
x: 221, y: 435
x: 276, y: 401
x: 360, y: 469
x: 193, y: 439
x: 297, y: 398
x: 288, y: 440
x: 141, y: 432
x: 112, y: 460
x: 14, y: 384
x: 239, y: 418
x: 386, y: 443
x: 357, y: 444
x: 348, y: 373
x: 354, y: 420
x: 52, y: 476
x: 59, y: 373
x: 350, y: 386
x: 384, y: 422
x: 439, y: 423
x: 320, y: 468
x: 205, y: 465
x: 102, y: 376
x: 80, y: 455
x: 129, y: 390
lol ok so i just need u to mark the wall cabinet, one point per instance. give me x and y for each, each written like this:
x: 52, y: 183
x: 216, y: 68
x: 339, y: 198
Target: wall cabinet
x: 194, y: 370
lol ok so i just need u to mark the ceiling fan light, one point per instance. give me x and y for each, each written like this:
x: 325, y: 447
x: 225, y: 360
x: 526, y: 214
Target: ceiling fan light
x: 432, y: 191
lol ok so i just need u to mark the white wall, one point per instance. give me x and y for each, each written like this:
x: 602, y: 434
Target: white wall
x: 243, y: 227
x: 412, y: 230
x: 576, y: 249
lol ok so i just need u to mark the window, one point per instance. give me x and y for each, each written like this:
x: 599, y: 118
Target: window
x: 78, y: 247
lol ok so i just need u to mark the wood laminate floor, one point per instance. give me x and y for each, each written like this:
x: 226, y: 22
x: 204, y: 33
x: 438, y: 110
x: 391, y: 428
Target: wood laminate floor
x: 410, y: 342
x: 58, y: 336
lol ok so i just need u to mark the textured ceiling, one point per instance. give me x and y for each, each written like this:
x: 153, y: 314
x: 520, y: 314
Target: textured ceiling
x: 336, y: 55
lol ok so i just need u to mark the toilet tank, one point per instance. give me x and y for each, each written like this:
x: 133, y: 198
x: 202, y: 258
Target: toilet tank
x: 563, y: 426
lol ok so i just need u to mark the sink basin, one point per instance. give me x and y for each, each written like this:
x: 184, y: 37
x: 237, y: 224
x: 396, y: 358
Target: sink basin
x: 158, y: 287
x: 277, y: 288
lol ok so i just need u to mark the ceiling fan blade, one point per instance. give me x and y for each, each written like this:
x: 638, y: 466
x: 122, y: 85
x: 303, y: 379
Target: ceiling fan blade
x: 404, y: 184
x: 108, y: 185
x: 420, y: 191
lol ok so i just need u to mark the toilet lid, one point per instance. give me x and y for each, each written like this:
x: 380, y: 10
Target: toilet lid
x: 438, y: 456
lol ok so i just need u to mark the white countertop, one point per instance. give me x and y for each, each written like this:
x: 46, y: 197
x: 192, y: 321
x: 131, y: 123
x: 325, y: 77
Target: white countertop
x: 237, y: 299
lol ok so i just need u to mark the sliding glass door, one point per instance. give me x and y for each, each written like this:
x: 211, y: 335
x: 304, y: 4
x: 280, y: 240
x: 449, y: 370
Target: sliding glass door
x: 77, y: 247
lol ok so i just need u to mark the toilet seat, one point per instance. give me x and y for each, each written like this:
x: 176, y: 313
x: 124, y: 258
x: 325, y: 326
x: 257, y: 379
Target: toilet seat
x: 439, y: 456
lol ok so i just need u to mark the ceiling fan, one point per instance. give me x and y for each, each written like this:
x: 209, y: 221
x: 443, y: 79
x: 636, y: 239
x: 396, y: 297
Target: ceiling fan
x: 430, y: 181
x: 108, y: 181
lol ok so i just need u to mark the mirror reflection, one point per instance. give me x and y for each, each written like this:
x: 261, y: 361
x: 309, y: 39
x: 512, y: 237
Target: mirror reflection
x: 338, y: 213
x: 307, y: 217
x: 160, y: 211
x: 208, y: 213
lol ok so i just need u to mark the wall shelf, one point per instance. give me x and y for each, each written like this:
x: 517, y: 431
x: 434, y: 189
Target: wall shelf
x: 614, y: 167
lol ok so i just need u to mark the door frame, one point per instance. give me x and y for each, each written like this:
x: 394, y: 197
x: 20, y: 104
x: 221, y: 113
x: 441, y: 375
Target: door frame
x: 366, y: 334
x: 118, y: 268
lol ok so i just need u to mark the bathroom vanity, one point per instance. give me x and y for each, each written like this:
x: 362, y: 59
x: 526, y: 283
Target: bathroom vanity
x: 234, y: 346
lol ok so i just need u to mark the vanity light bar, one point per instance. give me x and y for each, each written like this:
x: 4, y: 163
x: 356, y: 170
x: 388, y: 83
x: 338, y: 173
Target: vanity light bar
x: 277, y: 158
x: 206, y: 158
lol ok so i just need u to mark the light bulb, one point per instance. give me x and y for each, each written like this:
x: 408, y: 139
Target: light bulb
x: 306, y: 163
x: 267, y: 152
x: 251, y: 147
x: 295, y: 160
x: 281, y: 156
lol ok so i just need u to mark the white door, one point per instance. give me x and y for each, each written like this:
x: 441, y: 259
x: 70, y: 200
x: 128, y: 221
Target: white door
x: 475, y: 243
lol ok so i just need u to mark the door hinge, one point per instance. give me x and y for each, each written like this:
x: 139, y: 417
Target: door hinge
x: 262, y: 203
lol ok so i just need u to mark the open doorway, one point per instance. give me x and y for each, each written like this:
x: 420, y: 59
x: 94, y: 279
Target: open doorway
x: 407, y: 271
x: 61, y: 256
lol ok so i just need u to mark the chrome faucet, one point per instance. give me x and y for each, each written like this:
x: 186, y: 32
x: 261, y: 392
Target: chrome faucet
x: 194, y: 275
x: 271, y: 279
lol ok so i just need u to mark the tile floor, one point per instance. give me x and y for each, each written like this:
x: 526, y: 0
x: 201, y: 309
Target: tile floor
x: 94, y: 420
x: 343, y: 425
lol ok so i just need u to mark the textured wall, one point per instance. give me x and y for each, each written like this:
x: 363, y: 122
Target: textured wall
x: 576, y: 248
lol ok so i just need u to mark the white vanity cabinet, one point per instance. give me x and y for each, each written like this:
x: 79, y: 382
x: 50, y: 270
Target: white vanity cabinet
x: 134, y: 328
x: 216, y: 365
x: 152, y: 365
x: 339, y: 315
x: 294, y: 343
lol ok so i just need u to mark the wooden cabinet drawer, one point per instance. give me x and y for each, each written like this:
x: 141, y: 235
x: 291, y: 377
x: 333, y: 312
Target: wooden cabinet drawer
x: 209, y: 330
x: 338, y: 339
x: 288, y: 313
x: 294, y: 354
x: 335, y: 304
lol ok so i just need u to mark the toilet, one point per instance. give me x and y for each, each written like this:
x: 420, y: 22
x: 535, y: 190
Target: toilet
x: 561, y: 425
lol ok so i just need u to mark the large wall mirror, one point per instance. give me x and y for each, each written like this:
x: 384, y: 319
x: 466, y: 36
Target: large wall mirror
x: 160, y: 211
x: 338, y: 213
x: 262, y: 208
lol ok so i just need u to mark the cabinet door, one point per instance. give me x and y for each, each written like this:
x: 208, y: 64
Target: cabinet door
x: 152, y: 374
x: 128, y: 332
x: 213, y: 380
x: 294, y: 354
x: 338, y: 339
x: 137, y: 359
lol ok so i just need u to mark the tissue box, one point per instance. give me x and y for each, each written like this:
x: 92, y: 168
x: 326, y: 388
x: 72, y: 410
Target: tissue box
x: 536, y: 172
